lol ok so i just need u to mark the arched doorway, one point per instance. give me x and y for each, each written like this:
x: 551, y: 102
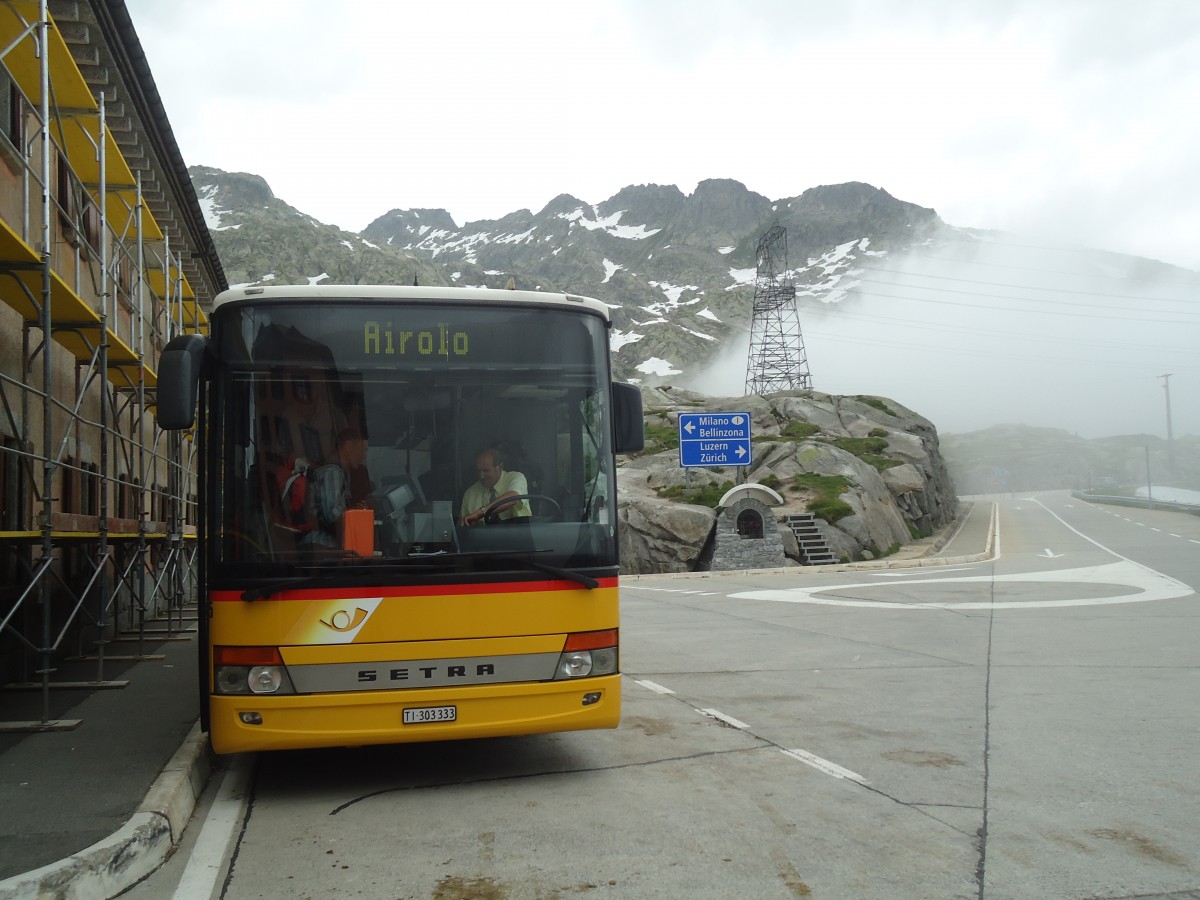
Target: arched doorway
x: 750, y: 524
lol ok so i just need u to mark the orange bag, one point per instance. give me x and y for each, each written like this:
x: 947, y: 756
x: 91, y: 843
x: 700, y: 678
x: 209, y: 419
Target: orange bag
x: 358, y: 532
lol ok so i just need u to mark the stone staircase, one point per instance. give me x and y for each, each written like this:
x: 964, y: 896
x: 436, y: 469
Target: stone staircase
x: 814, y: 550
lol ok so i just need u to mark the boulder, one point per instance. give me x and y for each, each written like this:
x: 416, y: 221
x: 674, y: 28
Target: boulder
x: 897, y: 486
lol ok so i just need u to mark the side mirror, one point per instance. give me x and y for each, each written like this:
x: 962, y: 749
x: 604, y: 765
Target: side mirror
x: 179, y: 381
x: 629, y: 432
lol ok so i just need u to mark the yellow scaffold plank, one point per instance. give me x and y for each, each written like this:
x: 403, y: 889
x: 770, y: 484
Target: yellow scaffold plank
x: 70, y: 91
x: 76, y: 324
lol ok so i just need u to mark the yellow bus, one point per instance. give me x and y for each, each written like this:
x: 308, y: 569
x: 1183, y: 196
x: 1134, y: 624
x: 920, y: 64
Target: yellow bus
x: 358, y: 584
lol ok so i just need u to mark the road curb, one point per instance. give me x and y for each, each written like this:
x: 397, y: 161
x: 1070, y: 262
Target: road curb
x: 122, y: 859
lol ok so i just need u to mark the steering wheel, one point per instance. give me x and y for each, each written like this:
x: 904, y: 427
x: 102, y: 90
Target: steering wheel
x: 491, y: 515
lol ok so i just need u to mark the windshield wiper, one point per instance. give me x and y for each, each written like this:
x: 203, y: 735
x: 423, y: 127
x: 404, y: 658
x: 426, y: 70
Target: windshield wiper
x: 570, y: 575
x: 520, y: 557
x: 353, y: 576
x: 427, y: 562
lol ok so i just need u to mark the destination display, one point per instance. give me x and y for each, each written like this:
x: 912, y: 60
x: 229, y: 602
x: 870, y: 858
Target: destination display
x: 714, y: 439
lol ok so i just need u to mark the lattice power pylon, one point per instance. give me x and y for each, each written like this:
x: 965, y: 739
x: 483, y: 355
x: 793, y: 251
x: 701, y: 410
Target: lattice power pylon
x: 777, y: 360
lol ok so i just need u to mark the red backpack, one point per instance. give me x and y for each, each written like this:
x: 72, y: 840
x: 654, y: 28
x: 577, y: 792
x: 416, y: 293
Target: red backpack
x: 291, y: 482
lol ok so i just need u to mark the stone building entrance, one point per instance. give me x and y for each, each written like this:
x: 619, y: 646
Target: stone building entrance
x: 746, y: 534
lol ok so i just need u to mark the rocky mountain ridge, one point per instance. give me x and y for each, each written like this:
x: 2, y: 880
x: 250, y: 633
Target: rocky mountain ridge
x: 677, y: 270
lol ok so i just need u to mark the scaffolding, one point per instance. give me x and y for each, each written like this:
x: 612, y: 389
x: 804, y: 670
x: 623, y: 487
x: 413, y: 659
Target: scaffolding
x: 97, y: 505
x: 777, y: 360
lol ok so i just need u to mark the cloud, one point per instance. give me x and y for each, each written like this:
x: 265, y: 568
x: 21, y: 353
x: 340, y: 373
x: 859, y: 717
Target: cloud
x: 1067, y: 118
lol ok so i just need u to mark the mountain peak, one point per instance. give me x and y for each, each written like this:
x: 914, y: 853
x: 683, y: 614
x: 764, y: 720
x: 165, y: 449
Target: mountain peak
x: 414, y: 220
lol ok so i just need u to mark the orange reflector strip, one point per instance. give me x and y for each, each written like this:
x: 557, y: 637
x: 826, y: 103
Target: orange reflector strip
x: 247, y: 656
x: 591, y: 640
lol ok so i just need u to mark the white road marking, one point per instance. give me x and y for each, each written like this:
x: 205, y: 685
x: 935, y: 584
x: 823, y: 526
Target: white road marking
x: 653, y: 686
x: 1148, y: 584
x: 663, y: 590
x: 1050, y: 554
x: 823, y: 765
x: 204, y: 865
x: 911, y: 572
x: 728, y: 720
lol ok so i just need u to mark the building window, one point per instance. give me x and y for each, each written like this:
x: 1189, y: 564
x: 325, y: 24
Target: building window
x: 750, y: 524
x: 63, y: 197
x: 91, y: 225
x: 12, y: 117
x: 122, y: 274
x: 15, y: 496
x: 90, y: 489
x: 67, y: 490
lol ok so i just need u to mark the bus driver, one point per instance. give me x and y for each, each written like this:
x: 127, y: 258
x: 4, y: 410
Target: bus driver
x: 494, y: 484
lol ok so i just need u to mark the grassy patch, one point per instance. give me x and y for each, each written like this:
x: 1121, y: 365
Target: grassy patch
x: 877, y: 403
x: 660, y: 438
x: 701, y: 495
x: 869, y: 449
x: 774, y: 482
x: 828, y: 488
x: 792, y: 431
x: 798, y: 431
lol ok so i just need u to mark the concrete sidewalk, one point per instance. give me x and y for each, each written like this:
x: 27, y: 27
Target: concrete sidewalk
x: 90, y: 812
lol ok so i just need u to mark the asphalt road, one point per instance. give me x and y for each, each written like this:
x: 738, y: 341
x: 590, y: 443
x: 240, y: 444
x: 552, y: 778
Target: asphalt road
x: 1018, y: 728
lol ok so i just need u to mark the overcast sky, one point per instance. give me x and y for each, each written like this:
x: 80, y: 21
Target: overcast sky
x: 1074, y: 120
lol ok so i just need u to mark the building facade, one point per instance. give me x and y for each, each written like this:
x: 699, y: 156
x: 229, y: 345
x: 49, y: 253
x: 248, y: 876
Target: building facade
x: 104, y: 257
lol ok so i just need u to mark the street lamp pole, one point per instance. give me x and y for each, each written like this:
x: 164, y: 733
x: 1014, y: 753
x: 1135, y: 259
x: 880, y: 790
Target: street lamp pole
x: 1170, y: 437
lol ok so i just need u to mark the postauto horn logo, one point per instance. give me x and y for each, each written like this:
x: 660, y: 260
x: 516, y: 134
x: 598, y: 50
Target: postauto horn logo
x: 340, y: 621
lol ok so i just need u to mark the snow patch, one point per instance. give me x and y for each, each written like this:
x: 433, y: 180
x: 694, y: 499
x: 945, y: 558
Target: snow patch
x: 741, y: 277
x: 609, y: 224
x: 674, y: 291
x: 516, y: 238
x: 620, y: 338
x: 656, y: 366
x: 208, y: 206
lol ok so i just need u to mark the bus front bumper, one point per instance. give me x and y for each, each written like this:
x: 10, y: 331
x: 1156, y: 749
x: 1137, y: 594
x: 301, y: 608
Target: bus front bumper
x: 242, y: 723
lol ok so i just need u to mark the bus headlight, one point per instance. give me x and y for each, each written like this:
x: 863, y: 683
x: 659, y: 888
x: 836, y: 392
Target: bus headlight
x: 232, y: 680
x: 575, y: 664
x: 588, y: 654
x: 265, y: 679
x: 250, y: 670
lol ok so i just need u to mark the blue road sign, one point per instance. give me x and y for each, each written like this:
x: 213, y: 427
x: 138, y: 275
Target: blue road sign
x: 714, y: 439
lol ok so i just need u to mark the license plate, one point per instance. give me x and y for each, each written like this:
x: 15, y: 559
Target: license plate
x: 422, y: 714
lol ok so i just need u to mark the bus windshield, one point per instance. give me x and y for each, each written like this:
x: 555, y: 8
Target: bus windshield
x: 360, y: 432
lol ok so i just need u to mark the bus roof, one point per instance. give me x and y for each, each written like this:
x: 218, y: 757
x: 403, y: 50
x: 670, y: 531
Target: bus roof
x: 407, y: 293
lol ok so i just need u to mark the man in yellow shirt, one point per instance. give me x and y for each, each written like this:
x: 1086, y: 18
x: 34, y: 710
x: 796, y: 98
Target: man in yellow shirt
x: 494, y: 484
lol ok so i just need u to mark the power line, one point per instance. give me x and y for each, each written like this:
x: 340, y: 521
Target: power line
x: 1034, y: 287
x: 976, y: 307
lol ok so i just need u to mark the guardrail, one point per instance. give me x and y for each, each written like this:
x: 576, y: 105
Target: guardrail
x: 1140, y: 502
